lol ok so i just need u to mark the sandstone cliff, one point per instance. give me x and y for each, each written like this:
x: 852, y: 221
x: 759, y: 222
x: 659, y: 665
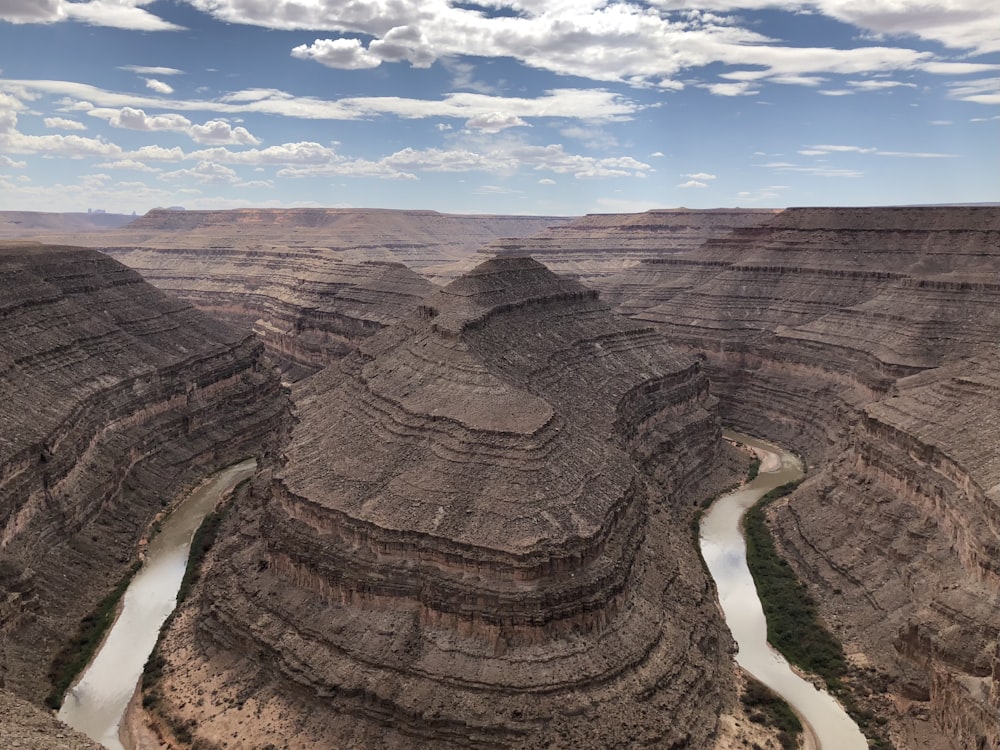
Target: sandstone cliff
x: 113, y: 396
x: 479, y: 537
x: 868, y: 339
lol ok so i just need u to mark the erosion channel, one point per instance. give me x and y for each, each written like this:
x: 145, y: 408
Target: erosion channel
x: 724, y: 550
x: 96, y: 703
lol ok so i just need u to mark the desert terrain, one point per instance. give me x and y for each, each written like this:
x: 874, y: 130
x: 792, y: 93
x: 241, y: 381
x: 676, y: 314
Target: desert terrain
x: 482, y: 442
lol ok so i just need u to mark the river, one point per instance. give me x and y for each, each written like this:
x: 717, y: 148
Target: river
x: 96, y: 703
x: 724, y: 550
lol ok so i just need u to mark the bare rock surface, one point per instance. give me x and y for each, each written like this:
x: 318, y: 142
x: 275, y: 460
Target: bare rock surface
x: 310, y: 282
x: 113, y: 397
x: 868, y: 339
x: 24, y: 726
x: 479, y: 537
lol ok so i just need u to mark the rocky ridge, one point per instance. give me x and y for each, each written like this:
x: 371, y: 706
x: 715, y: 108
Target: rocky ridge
x: 868, y: 340
x: 114, y: 396
x: 478, y: 537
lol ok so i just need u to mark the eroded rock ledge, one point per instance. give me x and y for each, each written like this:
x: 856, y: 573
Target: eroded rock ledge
x: 476, y: 539
x: 113, y: 395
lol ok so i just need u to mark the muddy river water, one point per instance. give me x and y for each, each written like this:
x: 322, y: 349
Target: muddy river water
x: 95, y: 704
x: 722, y: 545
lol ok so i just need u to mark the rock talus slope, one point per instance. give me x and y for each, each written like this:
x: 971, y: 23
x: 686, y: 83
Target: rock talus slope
x: 479, y: 537
x: 869, y: 339
x: 113, y: 396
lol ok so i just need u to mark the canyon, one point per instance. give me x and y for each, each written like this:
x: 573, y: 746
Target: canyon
x: 115, y: 398
x: 471, y: 525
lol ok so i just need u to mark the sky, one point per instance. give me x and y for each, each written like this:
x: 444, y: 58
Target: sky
x: 546, y: 107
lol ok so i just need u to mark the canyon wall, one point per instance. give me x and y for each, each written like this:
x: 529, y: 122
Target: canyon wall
x: 867, y: 339
x: 113, y: 397
x: 478, y: 536
x: 310, y: 282
x: 597, y: 247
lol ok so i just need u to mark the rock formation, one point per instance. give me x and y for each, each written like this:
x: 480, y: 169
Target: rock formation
x: 597, y: 247
x: 25, y: 224
x: 113, y: 396
x: 868, y: 340
x: 310, y: 282
x: 478, y: 537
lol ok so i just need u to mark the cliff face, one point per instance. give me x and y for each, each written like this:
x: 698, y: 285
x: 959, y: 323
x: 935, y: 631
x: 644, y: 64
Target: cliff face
x: 311, y: 283
x: 113, y: 396
x: 868, y: 340
x: 478, y: 537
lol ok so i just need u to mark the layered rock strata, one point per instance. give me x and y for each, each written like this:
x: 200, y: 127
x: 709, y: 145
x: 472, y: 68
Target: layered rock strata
x: 309, y: 307
x: 479, y: 538
x: 868, y: 340
x: 598, y: 247
x: 310, y: 282
x: 113, y: 396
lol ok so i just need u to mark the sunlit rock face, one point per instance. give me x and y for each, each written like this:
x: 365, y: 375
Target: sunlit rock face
x: 868, y: 339
x: 479, y: 536
x: 113, y: 396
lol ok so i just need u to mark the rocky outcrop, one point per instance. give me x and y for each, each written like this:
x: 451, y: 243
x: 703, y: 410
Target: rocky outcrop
x: 113, y: 396
x: 868, y: 340
x: 479, y: 537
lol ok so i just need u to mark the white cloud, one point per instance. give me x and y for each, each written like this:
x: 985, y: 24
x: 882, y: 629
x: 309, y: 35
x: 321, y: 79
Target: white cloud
x: 152, y: 70
x: 546, y: 181
x: 983, y: 91
x: 494, y: 122
x: 741, y: 88
x: 588, y: 104
x: 6, y: 161
x: 32, y: 11
x: 700, y: 176
x: 657, y: 155
x: 824, y: 150
x: 205, y: 172
x: 159, y: 86
x: 211, y: 132
x: 630, y: 42
x: 879, y: 85
x: 119, y: 14
x: 132, y: 164
x: 347, y: 54
x: 693, y: 184
x: 61, y: 123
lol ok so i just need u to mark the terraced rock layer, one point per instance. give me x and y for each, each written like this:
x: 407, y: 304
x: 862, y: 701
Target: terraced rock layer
x: 479, y: 537
x: 310, y: 282
x: 869, y: 340
x: 113, y: 396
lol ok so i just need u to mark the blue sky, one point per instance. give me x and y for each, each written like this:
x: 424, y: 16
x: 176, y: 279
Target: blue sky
x: 497, y: 106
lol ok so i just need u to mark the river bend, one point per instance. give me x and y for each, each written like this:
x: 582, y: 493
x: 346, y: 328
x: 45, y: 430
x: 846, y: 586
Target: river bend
x: 724, y: 549
x: 96, y: 703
